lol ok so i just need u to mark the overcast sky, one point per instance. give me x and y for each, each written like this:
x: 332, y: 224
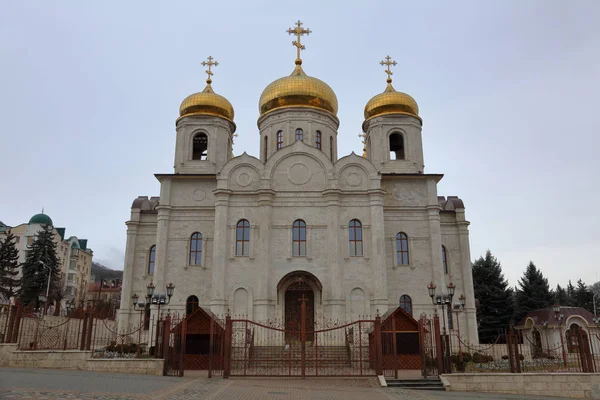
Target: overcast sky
x: 508, y: 92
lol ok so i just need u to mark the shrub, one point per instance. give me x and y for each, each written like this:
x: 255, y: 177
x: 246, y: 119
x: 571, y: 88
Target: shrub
x: 482, y: 358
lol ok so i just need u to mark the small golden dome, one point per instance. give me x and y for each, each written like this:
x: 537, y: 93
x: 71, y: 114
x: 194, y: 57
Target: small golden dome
x: 298, y: 90
x: 206, y: 102
x: 391, y: 102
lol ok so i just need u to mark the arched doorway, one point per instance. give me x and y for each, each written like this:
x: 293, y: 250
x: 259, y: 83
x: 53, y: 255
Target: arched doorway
x: 294, y: 289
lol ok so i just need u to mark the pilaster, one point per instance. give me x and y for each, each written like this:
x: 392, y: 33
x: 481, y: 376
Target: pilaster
x: 377, y: 257
x: 218, y: 300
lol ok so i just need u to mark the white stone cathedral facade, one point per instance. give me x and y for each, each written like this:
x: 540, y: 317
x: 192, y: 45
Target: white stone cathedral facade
x: 362, y: 233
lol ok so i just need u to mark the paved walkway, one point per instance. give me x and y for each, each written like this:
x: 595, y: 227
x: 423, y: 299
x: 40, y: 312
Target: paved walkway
x: 44, y: 384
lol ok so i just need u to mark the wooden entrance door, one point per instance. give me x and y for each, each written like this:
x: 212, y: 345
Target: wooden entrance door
x: 293, y: 305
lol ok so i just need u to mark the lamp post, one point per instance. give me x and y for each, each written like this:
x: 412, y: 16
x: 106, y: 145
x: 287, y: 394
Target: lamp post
x: 47, y: 286
x: 558, y: 316
x: 443, y: 300
x: 142, y: 308
x: 460, y: 307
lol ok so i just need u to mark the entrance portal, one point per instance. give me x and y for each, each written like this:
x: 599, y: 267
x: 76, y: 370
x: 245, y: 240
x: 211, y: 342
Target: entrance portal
x: 294, y: 295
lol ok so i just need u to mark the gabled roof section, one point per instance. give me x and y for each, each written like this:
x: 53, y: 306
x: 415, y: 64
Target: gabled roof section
x: 404, y: 321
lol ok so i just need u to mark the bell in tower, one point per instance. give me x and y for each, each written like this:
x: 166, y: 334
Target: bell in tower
x: 392, y: 129
x: 205, y: 130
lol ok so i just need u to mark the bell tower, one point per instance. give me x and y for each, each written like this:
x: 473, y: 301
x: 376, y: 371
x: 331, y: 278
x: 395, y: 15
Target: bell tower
x: 392, y: 129
x: 205, y: 130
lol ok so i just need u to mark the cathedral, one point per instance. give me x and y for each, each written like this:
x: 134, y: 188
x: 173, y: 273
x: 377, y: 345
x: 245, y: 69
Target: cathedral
x: 354, y: 234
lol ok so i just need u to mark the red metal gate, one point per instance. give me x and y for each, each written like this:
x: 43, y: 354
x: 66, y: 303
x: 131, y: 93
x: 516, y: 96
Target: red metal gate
x: 332, y: 349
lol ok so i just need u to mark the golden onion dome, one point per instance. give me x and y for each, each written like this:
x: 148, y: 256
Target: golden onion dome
x: 206, y: 102
x: 391, y: 102
x: 298, y: 90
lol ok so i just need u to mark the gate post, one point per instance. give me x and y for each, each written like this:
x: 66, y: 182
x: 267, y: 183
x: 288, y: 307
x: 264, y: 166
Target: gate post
x: 227, y: 347
x: 394, y: 348
x: 182, y: 346
x: 166, y: 339
x: 83, y: 330
x: 439, y: 351
x: 303, y: 333
x: 378, y: 350
x: 422, y: 347
x: 211, y: 343
x: 88, y: 343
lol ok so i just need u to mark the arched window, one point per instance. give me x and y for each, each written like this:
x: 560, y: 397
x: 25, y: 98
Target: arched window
x: 355, y: 235
x: 191, y: 304
x: 401, y: 248
x: 299, y: 238
x: 331, y: 148
x: 318, y: 134
x: 279, y: 140
x: 406, y: 304
x: 151, y: 257
x: 299, y: 134
x: 200, y: 147
x: 266, y: 147
x: 445, y: 259
x: 396, y: 146
x: 242, y: 238
x: 196, y: 249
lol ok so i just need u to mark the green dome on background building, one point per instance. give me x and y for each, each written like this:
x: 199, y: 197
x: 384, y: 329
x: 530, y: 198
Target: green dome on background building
x: 42, y: 219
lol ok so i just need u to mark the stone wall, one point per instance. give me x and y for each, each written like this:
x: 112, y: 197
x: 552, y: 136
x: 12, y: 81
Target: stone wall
x: 571, y: 385
x: 76, y: 360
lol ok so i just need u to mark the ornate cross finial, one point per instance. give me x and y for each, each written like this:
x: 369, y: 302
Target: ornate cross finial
x: 210, y: 64
x: 299, y: 32
x: 388, y: 62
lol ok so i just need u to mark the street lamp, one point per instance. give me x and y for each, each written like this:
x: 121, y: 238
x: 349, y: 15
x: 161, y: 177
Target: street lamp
x: 443, y: 300
x: 159, y: 298
x: 460, y: 307
x: 141, y: 307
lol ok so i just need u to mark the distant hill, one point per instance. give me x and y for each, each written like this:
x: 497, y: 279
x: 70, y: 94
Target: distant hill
x: 99, y: 271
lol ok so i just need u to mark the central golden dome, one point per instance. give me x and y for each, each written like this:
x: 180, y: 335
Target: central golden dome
x: 298, y: 90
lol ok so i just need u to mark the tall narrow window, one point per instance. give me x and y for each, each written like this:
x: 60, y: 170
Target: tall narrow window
x: 318, y: 140
x: 299, y: 134
x: 200, y: 147
x: 406, y: 303
x: 151, y: 257
x: 266, y: 147
x: 445, y: 260
x: 355, y: 235
x: 196, y: 249
x: 299, y: 238
x: 331, y: 148
x: 402, y: 248
x: 279, y: 140
x: 191, y: 304
x: 242, y: 238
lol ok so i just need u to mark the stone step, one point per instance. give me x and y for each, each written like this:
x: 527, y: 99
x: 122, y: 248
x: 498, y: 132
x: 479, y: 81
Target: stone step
x: 417, y: 384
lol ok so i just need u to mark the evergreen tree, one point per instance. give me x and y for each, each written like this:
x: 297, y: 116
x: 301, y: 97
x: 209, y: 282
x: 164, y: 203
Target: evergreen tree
x: 560, y: 296
x: 583, y: 296
x: 570, y: 295
x: 40, y: 261
x: 495, y: 297
x: 9, y: 266
x: 533, y: 292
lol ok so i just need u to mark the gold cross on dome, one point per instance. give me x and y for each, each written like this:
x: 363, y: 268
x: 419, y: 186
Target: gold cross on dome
x: 388, y: 62
x: 299, y: 32
x: 210, y: 64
